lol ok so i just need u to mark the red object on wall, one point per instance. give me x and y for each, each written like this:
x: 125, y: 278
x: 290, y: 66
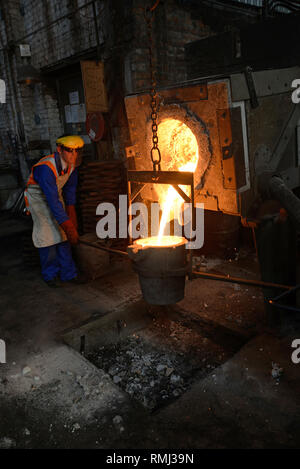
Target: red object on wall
x: 95, y: 126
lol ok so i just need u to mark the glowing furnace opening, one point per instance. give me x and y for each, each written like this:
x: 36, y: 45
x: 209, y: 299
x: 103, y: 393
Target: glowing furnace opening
x: 178, y: 146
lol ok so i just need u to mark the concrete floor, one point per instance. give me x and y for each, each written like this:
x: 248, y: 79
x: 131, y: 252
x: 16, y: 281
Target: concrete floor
x: 53, y: 397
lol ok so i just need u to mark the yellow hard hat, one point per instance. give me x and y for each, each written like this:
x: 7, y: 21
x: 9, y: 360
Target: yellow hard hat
x: 70, y: 141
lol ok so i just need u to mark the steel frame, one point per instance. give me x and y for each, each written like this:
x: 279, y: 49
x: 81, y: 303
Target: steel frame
x: 173, y: 178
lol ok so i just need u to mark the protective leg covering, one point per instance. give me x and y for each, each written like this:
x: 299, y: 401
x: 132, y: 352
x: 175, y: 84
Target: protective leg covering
x: 57, y: 259
x: 49, y: 262
x: 67, y: 266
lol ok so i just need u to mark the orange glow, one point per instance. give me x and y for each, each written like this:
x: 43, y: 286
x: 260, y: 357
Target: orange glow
x: 179, y: 149
x: 164, y: 241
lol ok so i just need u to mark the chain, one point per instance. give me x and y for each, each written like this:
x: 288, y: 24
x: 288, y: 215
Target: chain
x: 154, y: 150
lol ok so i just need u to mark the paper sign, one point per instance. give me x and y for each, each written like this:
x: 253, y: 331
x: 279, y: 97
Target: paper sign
x: 74, y: 97
x: 68, y: 114
x: 81, y: 113
x: 25, y: 50
x: 75, y: 113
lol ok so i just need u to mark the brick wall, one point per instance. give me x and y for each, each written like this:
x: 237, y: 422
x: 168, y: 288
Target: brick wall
x: 124, y: 48
x: 173, y: 26
x: 67, y: 36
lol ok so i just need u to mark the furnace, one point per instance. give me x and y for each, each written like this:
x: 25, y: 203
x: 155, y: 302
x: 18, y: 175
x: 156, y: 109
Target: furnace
x: 195, y: 140
x: 219, y: 146
x: 197, y: 129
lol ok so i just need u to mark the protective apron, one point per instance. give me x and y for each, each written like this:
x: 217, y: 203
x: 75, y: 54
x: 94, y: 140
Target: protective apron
x: 46, y: 231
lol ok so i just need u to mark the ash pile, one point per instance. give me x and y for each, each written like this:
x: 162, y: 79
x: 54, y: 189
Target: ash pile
x: 150, y: 375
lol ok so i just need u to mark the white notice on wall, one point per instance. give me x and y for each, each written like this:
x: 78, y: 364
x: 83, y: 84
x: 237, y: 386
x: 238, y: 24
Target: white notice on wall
x: 74, y: 97
x: 78, y: 113
x: 25, y: 50
x: 81, y: 112
x: 75, y: 113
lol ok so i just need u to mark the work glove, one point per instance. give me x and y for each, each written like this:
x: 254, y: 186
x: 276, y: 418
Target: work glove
x: 70, y: 231
x: 71, y: 212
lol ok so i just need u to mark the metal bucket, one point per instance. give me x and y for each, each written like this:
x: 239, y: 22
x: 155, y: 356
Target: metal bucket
x: 161, y: 269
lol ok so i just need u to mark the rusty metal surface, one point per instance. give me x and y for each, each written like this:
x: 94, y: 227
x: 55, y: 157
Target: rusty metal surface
x: 235, y: 151
x: 200, y: 115
x: 161, y: 177
x: 225, y: 135
x: 132, y: 152
x: 184, y: 94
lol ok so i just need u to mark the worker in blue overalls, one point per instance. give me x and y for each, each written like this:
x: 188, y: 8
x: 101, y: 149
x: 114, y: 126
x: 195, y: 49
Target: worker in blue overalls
x: 50, y: 197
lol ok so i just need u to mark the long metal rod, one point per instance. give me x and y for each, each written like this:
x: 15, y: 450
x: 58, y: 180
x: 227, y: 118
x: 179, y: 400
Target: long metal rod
x: 103, y: 248
x: 279, y: 191
x: 282, y: 295
x: 134, y: 196
x: 281, y: 306
x: 182, y: 193
x: 225, y: 278
x: 155, y: 5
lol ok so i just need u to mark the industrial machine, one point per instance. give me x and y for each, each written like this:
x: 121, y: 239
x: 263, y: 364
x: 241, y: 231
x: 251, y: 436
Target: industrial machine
x: 240, y: 146
x: 238, y: 135
x: 235, y: 131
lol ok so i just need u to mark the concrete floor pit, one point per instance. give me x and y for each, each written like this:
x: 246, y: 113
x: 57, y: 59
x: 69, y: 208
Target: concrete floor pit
x: 157, y: 363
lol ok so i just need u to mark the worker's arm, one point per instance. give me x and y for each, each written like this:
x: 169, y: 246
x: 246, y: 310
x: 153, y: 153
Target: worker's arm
x: 69, y: 193
x: 44, y: 176
x: 69, y: 189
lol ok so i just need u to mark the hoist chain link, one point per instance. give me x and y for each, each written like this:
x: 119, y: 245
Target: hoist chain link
x: 153, y: 103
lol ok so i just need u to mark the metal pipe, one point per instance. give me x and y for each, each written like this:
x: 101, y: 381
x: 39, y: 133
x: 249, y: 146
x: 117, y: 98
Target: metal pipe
x: 103, y: 248
x: 281, y: 306
x: 195, y: 274
x: 225, y: 278
x: 282, y: 295
x: 279, y: 191
x: 96, y: 31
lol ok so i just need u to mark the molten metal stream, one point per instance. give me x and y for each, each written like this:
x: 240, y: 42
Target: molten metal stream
x: 180, y: 144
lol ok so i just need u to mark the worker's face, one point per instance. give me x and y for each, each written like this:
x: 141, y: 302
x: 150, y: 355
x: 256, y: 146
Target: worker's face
x: 71, y: 157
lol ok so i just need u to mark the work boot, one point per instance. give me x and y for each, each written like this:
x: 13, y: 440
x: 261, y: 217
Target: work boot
x: 78, y: 280
x: 53, y: 283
